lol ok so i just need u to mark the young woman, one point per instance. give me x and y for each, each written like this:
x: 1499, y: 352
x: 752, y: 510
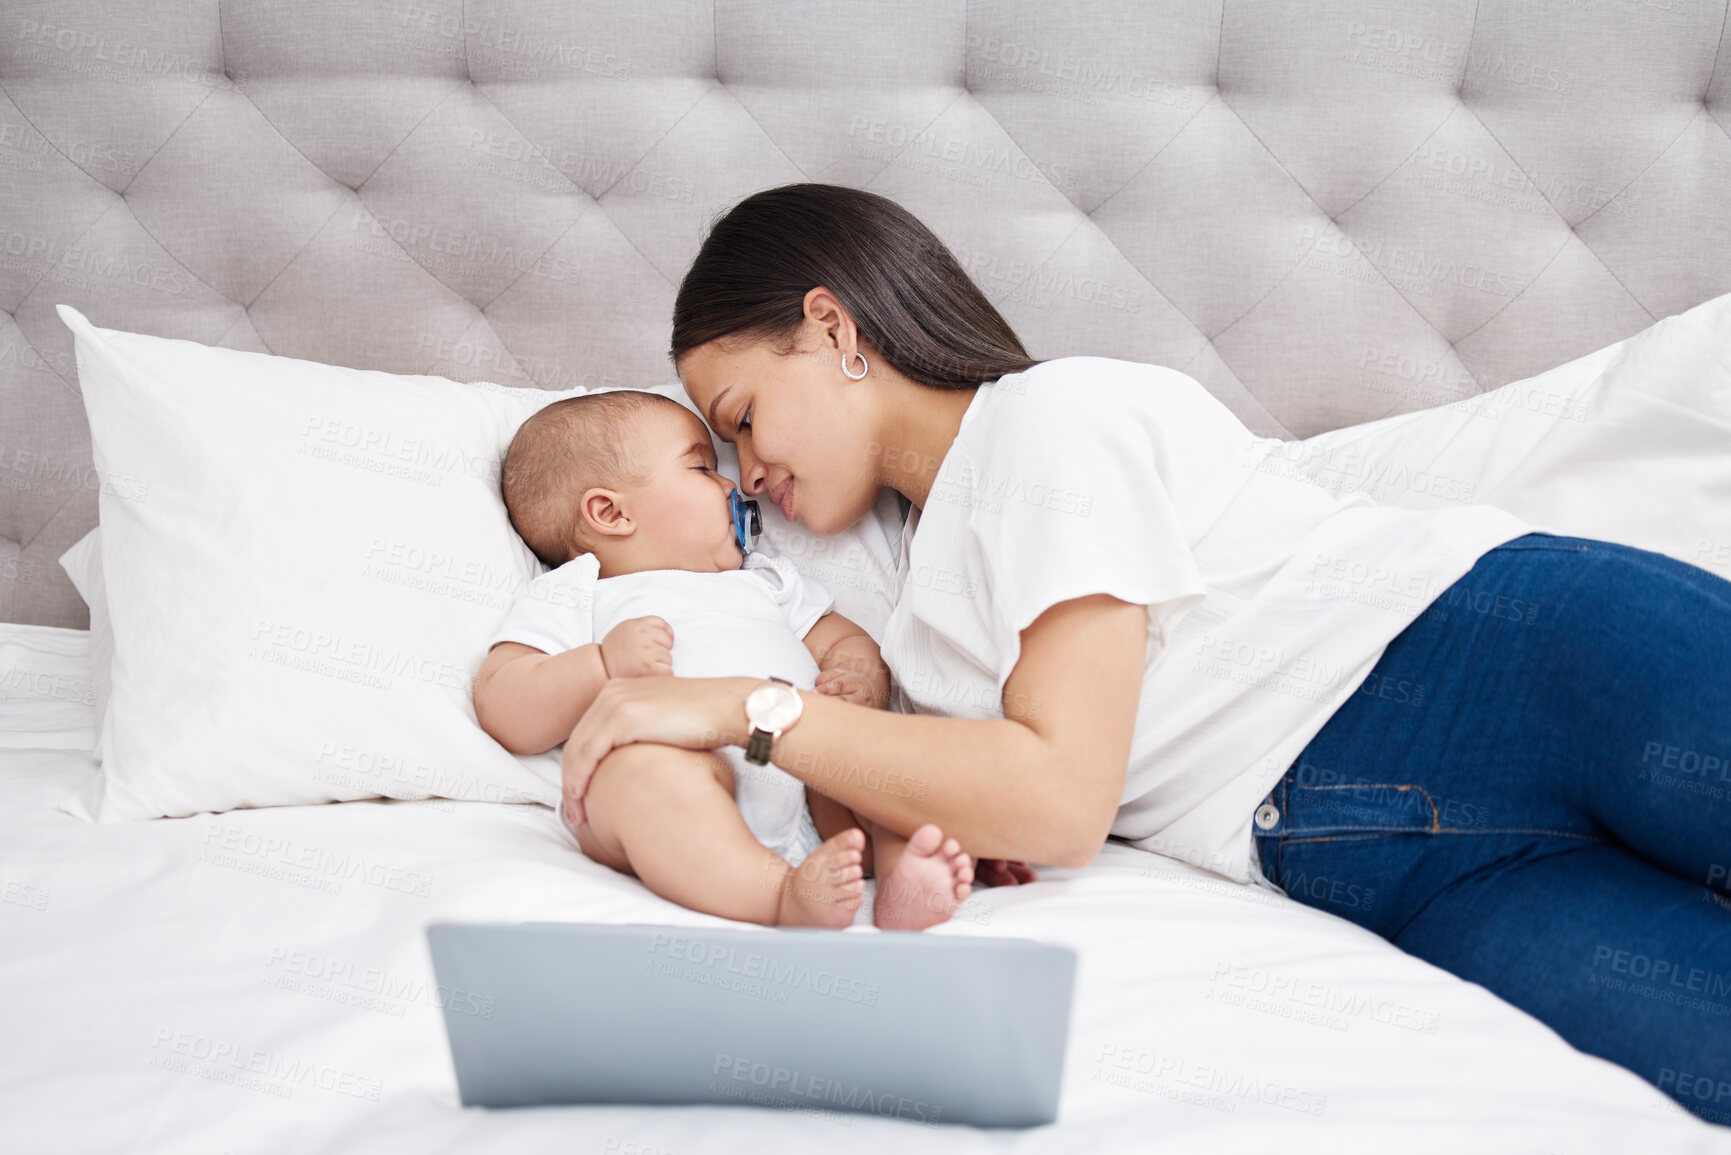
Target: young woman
x: 1506, y: 751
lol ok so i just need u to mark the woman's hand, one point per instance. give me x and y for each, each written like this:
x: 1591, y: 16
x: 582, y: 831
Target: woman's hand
x: 697, y: 713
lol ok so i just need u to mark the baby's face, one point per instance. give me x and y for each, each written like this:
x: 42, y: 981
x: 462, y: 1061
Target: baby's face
x: 682, y: 515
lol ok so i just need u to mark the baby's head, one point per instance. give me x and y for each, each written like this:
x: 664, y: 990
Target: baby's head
x: 627, y: 475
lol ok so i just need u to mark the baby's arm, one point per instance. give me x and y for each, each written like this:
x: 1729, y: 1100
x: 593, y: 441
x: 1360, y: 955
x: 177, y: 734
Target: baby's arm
x: 530, y: 701
x: 849, y: 664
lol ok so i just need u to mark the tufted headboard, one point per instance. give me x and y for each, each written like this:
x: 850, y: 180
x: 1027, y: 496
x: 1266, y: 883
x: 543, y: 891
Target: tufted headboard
x: 1326, y: 213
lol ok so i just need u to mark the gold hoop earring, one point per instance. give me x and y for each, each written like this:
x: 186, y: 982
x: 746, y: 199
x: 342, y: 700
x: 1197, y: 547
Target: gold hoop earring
x: 863, y: 367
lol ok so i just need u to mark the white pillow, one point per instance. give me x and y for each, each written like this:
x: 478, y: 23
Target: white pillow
x: 83, y: 565
x: 301, y: 566
x: 45, y: 690
x: 1630, y: 444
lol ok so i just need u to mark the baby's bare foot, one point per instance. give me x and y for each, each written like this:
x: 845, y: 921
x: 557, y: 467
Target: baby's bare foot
x: 924, y: 888
x: 827, y: 888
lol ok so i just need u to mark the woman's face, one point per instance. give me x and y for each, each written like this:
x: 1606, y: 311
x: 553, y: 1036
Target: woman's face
x: 802, y: 428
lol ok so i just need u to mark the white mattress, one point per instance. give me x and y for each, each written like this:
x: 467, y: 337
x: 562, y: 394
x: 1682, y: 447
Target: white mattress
x: 258, y: 981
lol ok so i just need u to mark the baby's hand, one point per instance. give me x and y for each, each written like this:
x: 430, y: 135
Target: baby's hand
x: 849, y: 687
x: 638, y: 647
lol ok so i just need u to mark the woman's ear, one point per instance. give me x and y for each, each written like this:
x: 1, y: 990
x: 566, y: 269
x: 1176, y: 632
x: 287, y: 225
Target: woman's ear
x: 827, y: 314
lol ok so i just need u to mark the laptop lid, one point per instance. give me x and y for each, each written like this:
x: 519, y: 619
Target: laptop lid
x: 928, y: 1028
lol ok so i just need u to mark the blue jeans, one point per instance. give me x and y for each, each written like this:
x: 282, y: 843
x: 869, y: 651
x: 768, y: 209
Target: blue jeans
x: 1532, y: 790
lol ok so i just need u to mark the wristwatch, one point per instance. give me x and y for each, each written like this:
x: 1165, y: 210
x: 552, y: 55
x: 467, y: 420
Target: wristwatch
x: 770, y: 709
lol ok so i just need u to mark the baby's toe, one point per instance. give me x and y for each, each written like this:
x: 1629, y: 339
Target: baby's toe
x: 926, y: 840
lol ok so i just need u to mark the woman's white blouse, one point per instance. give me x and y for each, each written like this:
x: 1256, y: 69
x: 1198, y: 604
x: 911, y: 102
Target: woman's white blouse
x: 1269, y: 598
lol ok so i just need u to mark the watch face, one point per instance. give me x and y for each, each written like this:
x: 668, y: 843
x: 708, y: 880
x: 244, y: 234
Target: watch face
x: 773, y: 707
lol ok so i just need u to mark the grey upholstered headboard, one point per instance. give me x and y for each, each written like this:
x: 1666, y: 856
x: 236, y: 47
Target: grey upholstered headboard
x: 1327, y: 213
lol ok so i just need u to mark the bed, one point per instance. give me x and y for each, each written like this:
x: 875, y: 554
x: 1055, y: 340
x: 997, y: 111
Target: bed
x: 1435, y: 252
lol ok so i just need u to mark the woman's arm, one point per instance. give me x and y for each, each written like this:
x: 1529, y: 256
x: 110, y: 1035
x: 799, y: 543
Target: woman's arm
x: 1041, y: 784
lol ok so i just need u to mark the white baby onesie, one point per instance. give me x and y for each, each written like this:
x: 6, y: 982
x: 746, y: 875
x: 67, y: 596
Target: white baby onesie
x: 746, y: 622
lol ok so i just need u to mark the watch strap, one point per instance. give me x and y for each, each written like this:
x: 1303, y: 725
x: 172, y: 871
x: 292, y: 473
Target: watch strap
x: 757, y: 749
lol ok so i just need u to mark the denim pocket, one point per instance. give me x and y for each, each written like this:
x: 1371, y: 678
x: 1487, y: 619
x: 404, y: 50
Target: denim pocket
x: 1358, y: 807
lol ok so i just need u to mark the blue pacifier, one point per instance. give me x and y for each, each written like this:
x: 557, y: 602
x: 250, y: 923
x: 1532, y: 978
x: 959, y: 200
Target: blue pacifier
x: 747, y: 523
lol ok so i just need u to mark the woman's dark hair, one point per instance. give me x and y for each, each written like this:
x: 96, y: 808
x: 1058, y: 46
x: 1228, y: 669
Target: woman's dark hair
x: 908, y: 295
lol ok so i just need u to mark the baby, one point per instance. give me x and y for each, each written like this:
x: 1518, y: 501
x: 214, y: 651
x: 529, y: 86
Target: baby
x: 618, y: 491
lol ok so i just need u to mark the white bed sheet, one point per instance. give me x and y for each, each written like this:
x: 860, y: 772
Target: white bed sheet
x: 258, y: 981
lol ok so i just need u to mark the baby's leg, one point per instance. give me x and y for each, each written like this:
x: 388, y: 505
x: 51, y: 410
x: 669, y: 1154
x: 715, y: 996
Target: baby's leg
x: 666, y: 814
x: 832, y: 818
x: 920, y: 879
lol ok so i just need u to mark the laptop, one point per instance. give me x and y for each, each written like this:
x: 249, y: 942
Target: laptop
x: 926, y: 1028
